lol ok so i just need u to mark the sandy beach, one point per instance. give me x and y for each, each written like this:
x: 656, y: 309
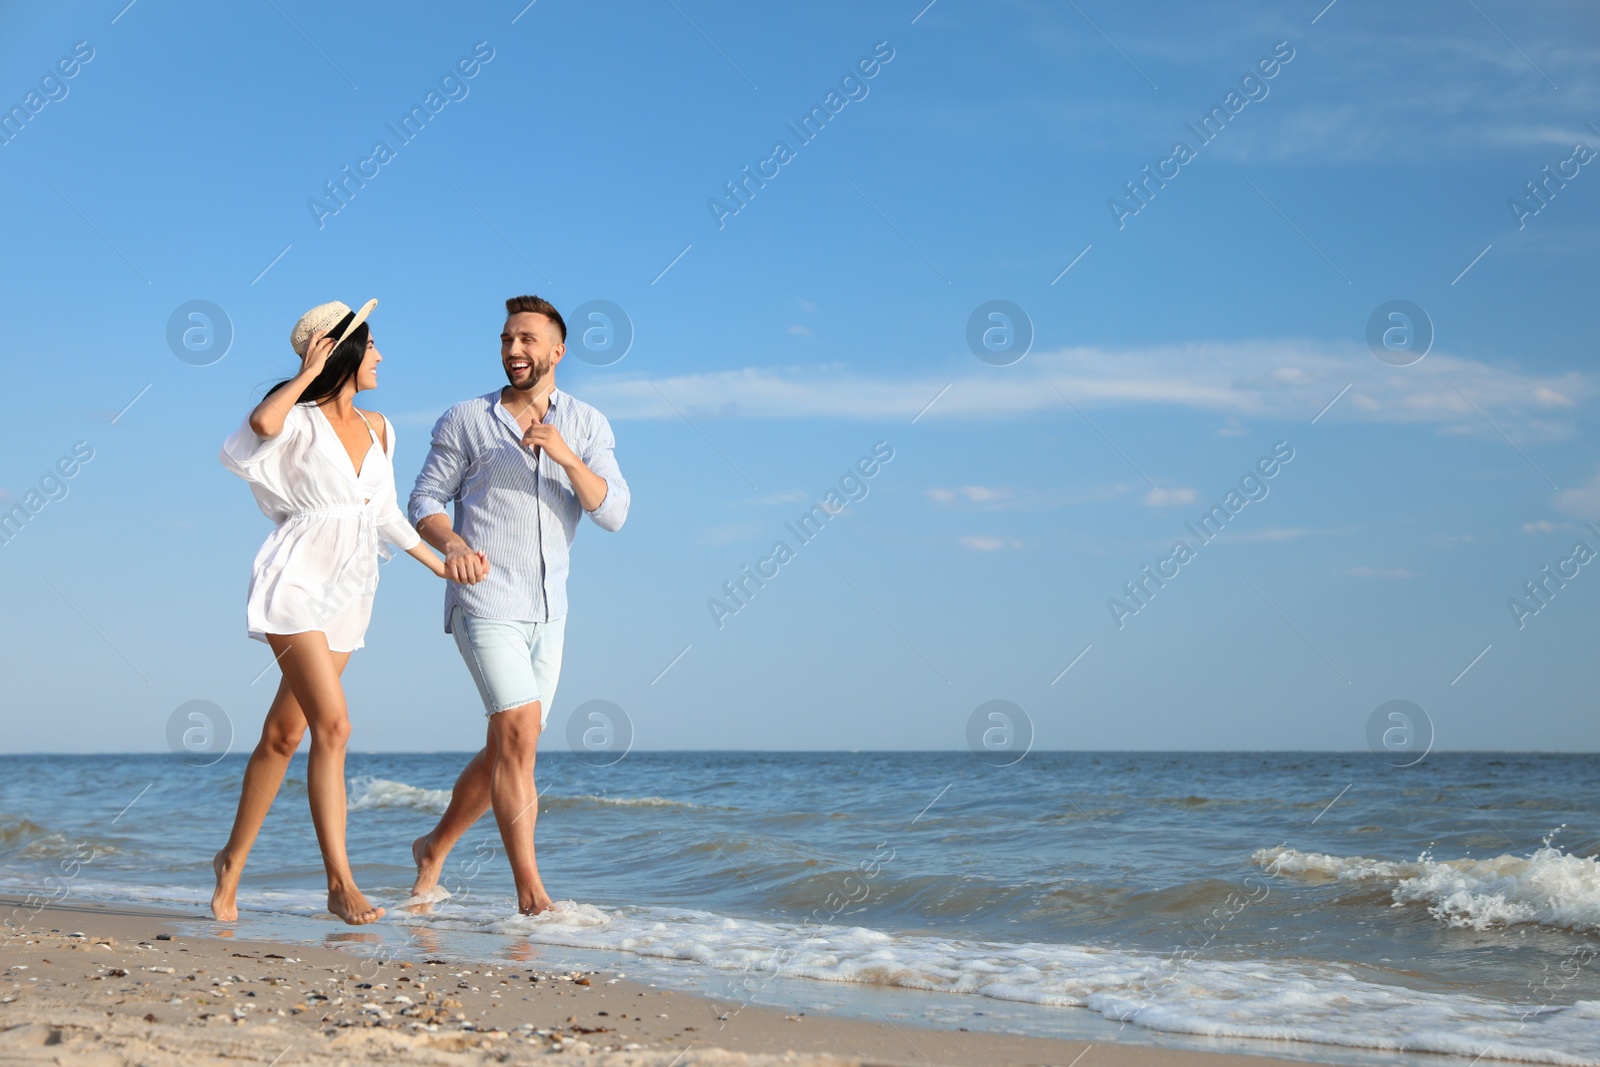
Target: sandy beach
x: 88, y: 983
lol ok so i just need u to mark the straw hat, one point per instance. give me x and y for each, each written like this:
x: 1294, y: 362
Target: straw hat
x: 323, y: 318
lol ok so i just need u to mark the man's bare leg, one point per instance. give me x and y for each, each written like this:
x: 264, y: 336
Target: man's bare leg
x: 469, y: 800
x: 515, y: 798
x: 263, y: 775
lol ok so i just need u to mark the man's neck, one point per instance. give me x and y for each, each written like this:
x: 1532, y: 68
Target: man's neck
x: 535, y: 398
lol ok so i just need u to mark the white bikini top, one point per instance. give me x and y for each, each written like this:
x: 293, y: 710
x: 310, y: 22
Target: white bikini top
x: 371, y: 474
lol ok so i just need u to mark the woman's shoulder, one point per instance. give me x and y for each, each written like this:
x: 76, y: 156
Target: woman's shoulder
x: 251, y: 456
x: 382, y: 426
x: 299, y: 414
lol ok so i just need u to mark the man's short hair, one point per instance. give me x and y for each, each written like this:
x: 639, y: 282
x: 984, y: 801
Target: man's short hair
x: 539, y: 306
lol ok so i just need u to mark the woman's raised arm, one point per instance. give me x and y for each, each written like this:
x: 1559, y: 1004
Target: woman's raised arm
x: 268, y: 417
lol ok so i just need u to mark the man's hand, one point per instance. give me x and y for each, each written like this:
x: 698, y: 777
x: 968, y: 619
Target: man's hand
x: 588, y: 486
x: 464, y: 565
x: 545, y: 436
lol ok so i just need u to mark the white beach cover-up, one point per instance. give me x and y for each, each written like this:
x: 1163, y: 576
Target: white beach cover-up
x: 319, y: 569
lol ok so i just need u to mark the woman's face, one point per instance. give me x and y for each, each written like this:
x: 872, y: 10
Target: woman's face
x: 367, y: 374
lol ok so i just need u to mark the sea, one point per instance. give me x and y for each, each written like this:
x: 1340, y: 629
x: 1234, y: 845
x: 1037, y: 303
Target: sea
x: 1330, y: 907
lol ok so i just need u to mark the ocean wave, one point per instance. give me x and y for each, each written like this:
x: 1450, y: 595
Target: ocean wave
x: 1548, y: 888
x: 302, y: 902
x: 16, y: 831
x: 581, y: 800
x: 367, y: 794
x: 1308, y: 1002
x: 23, y: 839
x: 1321, y: 1003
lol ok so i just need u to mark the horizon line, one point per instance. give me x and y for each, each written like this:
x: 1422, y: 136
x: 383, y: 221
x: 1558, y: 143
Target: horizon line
x: 900, y: 751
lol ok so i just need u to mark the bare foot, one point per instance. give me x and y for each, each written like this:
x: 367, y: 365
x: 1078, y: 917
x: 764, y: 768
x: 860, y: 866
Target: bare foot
x: 536, y: 903
x: 425, y: 891
x: 224, y: 908
x: 352, y: 907
x: 429, y: 867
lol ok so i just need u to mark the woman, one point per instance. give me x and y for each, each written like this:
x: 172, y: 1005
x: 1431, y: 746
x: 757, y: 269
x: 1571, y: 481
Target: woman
x: 320, y: 469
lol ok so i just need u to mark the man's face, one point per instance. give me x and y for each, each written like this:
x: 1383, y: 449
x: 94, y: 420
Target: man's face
x: 530, y: 347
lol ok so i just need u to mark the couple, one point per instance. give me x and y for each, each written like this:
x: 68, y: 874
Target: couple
x: 518, y: 463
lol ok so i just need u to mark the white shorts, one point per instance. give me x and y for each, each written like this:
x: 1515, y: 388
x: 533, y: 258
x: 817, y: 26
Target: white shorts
x: 513, y: 663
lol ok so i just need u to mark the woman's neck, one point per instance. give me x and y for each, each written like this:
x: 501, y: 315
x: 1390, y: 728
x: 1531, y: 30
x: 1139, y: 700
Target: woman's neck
x: 342, y: 406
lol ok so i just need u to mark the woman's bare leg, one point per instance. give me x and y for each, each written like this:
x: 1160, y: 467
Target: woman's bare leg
x: 313, y: 677
x: 263, y: 775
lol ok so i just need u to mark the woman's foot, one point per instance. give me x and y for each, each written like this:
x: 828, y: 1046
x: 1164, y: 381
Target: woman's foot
x: 224, y: 907
x: 351, y: 906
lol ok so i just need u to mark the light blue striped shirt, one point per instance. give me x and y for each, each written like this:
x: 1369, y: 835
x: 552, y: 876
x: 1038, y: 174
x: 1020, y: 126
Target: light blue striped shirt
x: 519, y: 511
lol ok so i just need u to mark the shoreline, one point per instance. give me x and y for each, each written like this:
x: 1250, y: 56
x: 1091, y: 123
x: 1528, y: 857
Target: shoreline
x: 139, y: 986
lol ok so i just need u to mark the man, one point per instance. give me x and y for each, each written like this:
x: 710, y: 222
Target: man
x: 519, y: 463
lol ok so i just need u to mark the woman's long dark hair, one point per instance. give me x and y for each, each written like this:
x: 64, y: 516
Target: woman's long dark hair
x: 343, y: 363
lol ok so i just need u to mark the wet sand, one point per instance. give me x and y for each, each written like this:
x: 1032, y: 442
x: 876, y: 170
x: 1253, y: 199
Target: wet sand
x: 85, y: 983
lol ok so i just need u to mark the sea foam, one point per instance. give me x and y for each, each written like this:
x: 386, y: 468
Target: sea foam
x: 367, y: 794
x: 1302, y: 1001
x: 1548, y: 888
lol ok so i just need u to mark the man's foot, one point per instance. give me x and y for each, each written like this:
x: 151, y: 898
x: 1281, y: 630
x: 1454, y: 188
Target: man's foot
x: 224, y: 908
x: 429, y: 867
x: 352, y: 907
x: 535, y: 903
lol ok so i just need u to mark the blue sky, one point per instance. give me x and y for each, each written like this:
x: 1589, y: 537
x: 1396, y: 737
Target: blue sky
x: 978, y: 162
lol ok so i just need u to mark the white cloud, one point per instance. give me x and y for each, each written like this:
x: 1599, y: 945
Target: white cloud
x: 1545, y: 526
x: 416, y: 418
x: 988, y: 543
x: 1264, y: 379
x: 1008, y: 498
x: 1363, y: 92
x: 977, y: 494
x: 1272, y: 533
x: 730, y: 533
x: 1582, y: 501
x: 787, y: 496
x: 1166, y: 498
x: 799, y: 330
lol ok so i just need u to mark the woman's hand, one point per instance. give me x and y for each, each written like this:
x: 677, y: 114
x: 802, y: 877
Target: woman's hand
x: 318, y: 349
x: 268, y: 417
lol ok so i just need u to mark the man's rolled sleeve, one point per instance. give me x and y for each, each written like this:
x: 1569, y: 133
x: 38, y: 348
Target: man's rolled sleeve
x: 442, y: 472
x: 611, y: 512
